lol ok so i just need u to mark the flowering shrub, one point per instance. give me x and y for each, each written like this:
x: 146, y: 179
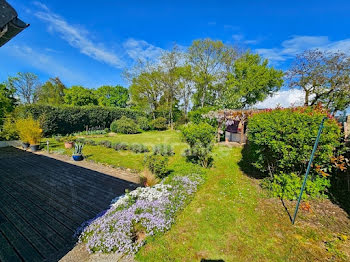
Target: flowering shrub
x: 138, y: 214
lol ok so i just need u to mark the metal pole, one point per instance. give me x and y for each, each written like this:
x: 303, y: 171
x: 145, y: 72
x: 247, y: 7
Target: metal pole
x: 308, y: 168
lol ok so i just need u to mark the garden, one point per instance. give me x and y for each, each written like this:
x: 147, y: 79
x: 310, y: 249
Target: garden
x: 200, y: 196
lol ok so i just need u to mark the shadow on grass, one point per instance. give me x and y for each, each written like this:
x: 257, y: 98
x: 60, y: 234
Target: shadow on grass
x: 339, y: 192
x: 246, y: 164
x: 212, y: 260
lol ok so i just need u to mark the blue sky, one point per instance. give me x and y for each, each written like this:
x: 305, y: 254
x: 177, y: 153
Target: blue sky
x: 90, y: 43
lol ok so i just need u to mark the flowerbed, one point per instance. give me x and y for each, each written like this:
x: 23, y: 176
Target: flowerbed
x: 137, y: 215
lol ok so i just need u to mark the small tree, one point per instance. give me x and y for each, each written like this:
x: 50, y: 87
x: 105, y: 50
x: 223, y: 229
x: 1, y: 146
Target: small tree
x: 200, y: 138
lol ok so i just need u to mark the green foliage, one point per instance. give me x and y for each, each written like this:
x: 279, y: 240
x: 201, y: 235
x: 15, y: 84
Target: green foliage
x: 51, y: 93
x: 281, y: 141
x: 143, y: 122
x: 158, y: 165
x: 69, y: 138
x: 159, y: 123
x: 163, y: 150
x: 200, y: 138
x: 105, y: 143
x: 78, y: 148
x: 7, y: 101
x: 80, y: 96
x: 90, y: 142
x: 196, y: 117
x: 138, y: 148
x: 70, y: 119
x: 9, y: 130
x: 251, y: 81
x: 125, y: 125
x: 112, y: 96
x: 120, y: 146
x: 288, y: 186
x: 79, y: 140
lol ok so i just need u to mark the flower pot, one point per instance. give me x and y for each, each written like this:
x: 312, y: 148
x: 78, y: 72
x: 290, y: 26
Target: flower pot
x: 34, y: 148
x: 25, y: 145
x: 68, y: 145
x: 77, y: 157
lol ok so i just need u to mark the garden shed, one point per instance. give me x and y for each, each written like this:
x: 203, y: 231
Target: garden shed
x: 232, y: 122
x: 10, y: 24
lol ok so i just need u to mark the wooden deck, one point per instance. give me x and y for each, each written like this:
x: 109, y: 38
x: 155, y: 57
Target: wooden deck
x: 43, y: 201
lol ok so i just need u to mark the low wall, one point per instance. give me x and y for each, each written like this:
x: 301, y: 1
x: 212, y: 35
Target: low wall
x: 14, y: 143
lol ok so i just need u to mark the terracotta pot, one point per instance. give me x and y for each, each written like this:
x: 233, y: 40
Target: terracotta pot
x: 68, y: 144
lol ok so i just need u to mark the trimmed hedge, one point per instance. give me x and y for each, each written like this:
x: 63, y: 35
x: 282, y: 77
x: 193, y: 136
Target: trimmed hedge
x: 70, y: 119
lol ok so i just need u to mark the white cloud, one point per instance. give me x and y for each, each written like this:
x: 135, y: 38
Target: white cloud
x: 44, y: 63
x: 284, y: 98
x: 241, y: 39
x: 297, y: 44
x: 140, y: 49
x: 78, y: 37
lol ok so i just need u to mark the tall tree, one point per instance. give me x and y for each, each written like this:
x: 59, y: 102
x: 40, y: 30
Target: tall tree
x: 186, y: 86
x: 209, y: 60
x: 250, y: 81
x: 146, y: 91
x: 52, y: 92
x: 323, y: 76
x: 7, y: 101
x: 80, y: 96
x: 26, y: 85
x: 116, y: 96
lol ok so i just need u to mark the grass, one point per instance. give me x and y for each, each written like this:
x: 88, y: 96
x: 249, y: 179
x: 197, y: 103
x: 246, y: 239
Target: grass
x: 231, y: 218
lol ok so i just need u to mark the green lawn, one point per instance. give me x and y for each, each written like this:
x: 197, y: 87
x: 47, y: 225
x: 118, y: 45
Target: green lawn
x: 230, y: 217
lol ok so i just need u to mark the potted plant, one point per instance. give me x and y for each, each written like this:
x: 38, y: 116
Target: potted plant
x: 77, y: 155
x: 29, y: 132
x: 69, y: 142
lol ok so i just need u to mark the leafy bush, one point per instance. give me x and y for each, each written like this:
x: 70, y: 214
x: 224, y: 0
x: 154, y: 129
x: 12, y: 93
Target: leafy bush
x: 80, y: 140
x: 163, y: 150
x: 143, y: 122
x: 288, y: 186
x: 281, y: 142
x: 9, y: 130
x: 105, y: 143
x: 29, y: 130
x: 158, y: 165
x: 200, y: 138
x: 120, y: 146
x: 90, y: 142
x: 69, y: 139
x: 138, y: 148
x: 159, y: 123
x: 70, y: 119
x: 125, y: 126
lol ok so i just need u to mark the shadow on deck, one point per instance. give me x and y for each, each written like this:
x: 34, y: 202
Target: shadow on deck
x: 43, y: 202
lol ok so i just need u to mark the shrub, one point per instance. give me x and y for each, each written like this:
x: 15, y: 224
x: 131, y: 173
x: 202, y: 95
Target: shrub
x: 138, y: 148
x: 9, y: 130
x: 125, y: 126
x: 69, y: 139
x: 200, y: 138
x: 70, y: 119
x: 158, y: 165
x: 29, y: 130
x: 120, y: 146
x: 90, y: 142
x: 143, y: 122
x: 105, y: 143
x: 159, y: 123
x: 81, y: 140
x: 281, y: 142
x: 163, y: 150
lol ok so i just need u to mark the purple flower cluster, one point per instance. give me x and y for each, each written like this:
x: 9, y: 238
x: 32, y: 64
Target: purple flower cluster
x: 138, y: 214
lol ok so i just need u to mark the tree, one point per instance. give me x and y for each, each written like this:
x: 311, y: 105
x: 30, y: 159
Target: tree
x: 115, y: 96
x: 7, y: 101
x: 250, y: 81
x: 324, y: 77
x: 186, y: 86
x: 52, y: 92
x: 209, y: 61
x: 79, y: 96
x: 146, y: 91
x: 26, y: 85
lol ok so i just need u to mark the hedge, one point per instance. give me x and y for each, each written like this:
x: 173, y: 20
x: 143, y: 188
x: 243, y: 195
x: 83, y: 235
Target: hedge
x: 70, y: 119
